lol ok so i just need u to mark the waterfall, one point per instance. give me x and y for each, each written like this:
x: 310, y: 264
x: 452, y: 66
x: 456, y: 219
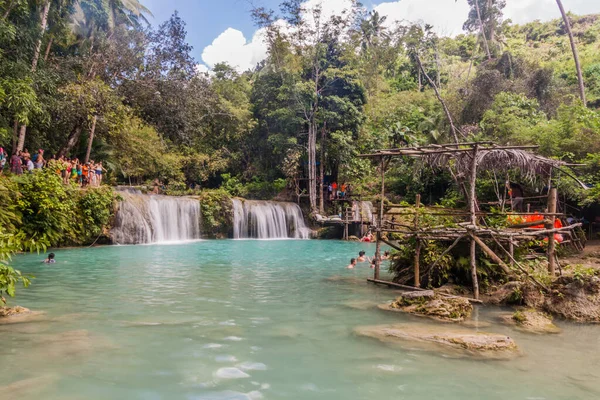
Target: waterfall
x: 268, y: 220
x: 363, y: 211
x: 154, y: 219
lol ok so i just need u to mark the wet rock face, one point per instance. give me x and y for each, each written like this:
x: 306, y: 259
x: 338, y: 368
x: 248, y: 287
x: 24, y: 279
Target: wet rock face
x: 452, y: 342
x: 430, y: 304
x: 575, y: 299
x: 531, y: 321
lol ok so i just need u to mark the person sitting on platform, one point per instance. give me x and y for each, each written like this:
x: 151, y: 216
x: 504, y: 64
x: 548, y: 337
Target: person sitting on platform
x: 515, y: 192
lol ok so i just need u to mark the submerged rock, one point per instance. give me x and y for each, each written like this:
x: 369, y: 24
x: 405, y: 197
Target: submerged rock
x: 531, y: 321
x: 455, y: 342
x: 430, y: 304
x: 17, y: 314
x: 28, y: 387
x: 10, y: 311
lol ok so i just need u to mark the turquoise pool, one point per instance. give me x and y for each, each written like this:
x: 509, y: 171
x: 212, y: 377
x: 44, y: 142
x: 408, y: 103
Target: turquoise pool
x: 252, y: 320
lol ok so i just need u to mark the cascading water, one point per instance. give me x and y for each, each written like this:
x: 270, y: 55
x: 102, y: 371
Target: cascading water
x: 268, y: 220
x: 363, y: 211
x: 154, y: 219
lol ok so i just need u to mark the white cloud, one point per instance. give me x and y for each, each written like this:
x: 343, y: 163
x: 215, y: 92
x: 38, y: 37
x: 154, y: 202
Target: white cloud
x: 232, y: 47
x: 446, y: 16
x: 201, y: 69
x: 528, y: 10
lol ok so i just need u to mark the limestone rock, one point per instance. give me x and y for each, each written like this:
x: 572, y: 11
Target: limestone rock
x: 531, y: 321
x: 8, y: 311
x: 18, y: 314
x: 457, y: 342
x: 430, y: 304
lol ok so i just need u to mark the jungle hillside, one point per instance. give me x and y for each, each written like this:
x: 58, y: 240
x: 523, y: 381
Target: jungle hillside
x: 91, y: 75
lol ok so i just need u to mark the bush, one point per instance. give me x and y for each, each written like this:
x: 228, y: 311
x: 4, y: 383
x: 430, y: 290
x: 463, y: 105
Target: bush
x: 55, y: 214
x: 217, y: 212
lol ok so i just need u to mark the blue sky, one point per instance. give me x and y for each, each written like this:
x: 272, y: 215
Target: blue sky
x: 206, y: 19
x: 223, y: 30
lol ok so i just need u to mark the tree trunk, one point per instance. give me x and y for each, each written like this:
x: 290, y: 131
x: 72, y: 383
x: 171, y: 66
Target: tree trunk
x: 89, y: 146
x: 36, y: 57
x: 439, y: 97
x: 71, y: 142
x: 312, y: 165
x: 322, y: 174
x: 8, y: 10
x: 575, y: 53
x: 15, y: 136
x: 48, y: 47
x: 483, y: 35
x: 43, y: 24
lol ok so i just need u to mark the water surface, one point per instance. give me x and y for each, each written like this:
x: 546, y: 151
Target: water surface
x: 252, y: 320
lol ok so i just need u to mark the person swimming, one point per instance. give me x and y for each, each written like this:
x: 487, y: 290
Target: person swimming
x: 352, y: 264
x: 362, y: 257
x: 50, y: 259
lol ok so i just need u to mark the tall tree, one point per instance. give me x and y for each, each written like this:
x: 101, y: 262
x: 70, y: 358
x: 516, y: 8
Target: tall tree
x: 45, y: 10
x: 565, y: 18
x: 485, y: 16
x: 307, y: 33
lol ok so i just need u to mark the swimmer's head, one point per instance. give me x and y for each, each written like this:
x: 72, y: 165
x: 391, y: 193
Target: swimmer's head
x: 361, y: 253
x: 353, y: 261
x: 51, y: 256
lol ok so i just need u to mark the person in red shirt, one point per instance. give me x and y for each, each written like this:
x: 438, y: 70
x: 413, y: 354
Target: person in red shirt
x: 334, y: 186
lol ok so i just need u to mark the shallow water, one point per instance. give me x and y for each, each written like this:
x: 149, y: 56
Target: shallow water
x: 252, y: 320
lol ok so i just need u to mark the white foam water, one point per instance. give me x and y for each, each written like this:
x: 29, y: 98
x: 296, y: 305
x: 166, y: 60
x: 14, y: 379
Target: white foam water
x: 144, y: 219
x: 254, y: 219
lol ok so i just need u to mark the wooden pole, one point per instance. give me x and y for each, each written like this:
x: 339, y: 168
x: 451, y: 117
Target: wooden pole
x: 473, y: 213
x: 552, y: 199
x: 380, y: 222
x: 491, y: 254
x: 418, y: 245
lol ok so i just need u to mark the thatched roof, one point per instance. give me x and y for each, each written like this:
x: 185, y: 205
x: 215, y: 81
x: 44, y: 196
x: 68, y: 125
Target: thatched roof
x: 490, y: 157
x: 531, y: 166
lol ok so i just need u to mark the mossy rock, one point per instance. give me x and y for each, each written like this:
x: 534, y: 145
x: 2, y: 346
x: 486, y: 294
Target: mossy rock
x: 432, y: 305
x: 532, y: 321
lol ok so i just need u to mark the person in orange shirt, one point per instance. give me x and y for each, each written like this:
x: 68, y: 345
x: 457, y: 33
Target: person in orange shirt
x: 84, y: 174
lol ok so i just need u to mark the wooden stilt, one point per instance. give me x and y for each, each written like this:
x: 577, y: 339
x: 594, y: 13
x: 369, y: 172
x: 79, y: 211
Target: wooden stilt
x: 380, y: 222
x: 552, y: 200
x: 473, y: 212
x: 418, y: 245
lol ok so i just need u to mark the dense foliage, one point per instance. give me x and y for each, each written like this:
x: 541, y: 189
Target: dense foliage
x: 330, y: 88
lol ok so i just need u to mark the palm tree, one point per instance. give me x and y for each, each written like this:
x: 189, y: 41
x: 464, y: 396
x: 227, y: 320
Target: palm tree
x: 574, y: 49
x: 371, y: 29
x: 91, y: 16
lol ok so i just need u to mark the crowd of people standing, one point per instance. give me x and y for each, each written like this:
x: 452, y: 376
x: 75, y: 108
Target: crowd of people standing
x: 70, y: 169
x: 336, y: 191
